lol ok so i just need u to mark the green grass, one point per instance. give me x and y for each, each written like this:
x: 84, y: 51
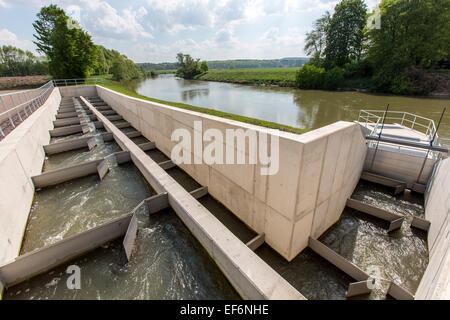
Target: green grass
x: 118, y: 87
x: 284, y: 77
x: 165, y: 71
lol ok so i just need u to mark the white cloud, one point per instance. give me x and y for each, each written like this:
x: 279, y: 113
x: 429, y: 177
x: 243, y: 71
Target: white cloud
x: 102, y: 20
x: 155, y: 30
x: 4, y: 4
x: 9, y: 38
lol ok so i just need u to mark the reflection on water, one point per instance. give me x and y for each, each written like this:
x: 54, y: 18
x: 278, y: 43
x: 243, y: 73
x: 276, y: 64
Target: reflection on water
x: 167, y: 263
x: 309, y: 109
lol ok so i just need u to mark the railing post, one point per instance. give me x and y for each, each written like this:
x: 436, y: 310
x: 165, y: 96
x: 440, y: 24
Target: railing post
x: 65, y: 81
x: 14, y: 105
x: 24, y: 105
x: 28, y: 101
x: 7, y: 112
x: 403, y: 119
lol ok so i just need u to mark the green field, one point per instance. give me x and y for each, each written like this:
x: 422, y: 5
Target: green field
x: 165, y: 71
x: 284, y: 77
x: 118, y: 87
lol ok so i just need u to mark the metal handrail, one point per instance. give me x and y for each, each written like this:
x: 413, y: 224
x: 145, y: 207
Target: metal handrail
x: 76, y: 82
x: 15, y: 105
x: 375, y: 116
x: 18, y: 105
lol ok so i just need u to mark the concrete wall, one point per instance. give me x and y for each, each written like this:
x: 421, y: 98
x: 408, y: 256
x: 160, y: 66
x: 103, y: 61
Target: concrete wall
x: 76, y: 91
x: 435, y: 283
x: 318, y: 171
x: 400, y: 166
x: 22, y: 156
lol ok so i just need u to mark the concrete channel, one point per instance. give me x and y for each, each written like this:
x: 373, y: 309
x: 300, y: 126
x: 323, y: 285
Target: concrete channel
x: 224, y: 230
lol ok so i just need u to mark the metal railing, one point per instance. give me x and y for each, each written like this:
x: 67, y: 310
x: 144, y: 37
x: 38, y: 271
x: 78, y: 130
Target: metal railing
x: 76, y: 82
x: 372, y: 119
x: 16, y: 106
x: 19, y: 105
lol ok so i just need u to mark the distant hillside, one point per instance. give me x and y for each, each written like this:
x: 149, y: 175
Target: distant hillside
x: 234, y: 64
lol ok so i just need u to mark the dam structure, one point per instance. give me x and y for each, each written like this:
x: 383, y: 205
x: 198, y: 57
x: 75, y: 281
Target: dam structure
x: 89, y: 184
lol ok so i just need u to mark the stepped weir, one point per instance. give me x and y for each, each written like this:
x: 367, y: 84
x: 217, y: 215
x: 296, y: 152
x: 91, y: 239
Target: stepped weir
x: 89, y: 181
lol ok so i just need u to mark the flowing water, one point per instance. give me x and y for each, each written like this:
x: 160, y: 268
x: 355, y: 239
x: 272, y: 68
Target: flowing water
x: 308, y: 109
x: 68, y: 158
x: 400, y: 256
x: 78, y: 205
x: 167, y: 263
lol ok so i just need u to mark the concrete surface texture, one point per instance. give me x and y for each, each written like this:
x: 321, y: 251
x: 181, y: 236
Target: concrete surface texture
x: 21, y: 157
x: 317, y: 171
x: 435, y: 283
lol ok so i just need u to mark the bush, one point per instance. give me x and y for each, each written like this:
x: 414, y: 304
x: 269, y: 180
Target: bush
x: 310, y: 77
x: 333, y: 78
x: 359, y: 69
x: 412, y: 81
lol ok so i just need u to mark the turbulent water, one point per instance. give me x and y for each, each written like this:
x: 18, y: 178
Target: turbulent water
x: 167, y: 263
x: 78, y: 205
x: 65, y: 159
x: 400, y: 256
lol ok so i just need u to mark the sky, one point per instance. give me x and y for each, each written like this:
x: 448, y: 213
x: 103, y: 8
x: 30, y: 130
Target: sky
x: 156, y: 30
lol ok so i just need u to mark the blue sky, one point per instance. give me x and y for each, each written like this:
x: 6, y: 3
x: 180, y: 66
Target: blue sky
x: 155, y: 30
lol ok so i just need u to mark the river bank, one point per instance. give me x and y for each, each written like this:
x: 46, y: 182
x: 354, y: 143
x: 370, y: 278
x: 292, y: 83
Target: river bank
x: 286, y: 77
x: 282, y: 77
x: 22, y: 82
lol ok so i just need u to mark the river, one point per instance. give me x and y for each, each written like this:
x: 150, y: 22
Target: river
x: 307, y: 109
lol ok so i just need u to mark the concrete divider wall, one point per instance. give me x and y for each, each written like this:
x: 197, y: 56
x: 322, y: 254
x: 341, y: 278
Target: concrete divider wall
x: 318, y: 171
x: 22, y: 156
x: 401, y: 166
x: 435, y: 283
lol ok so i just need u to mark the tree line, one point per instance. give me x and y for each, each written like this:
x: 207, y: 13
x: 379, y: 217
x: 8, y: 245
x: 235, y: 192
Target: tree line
x: 17, y: 62
x: 71, y: 52
x: 398, y: 51
x: 234, y: 64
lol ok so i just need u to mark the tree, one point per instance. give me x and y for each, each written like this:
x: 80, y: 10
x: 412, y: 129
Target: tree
x: 189, y: 67
x: 414, y: 35
x: 204, y: 66
x: 316, y: 39
x: 344, y: 39
x: 123, y: 69
x: 45, y: 26
x: 17, y: 62
x: 71, y: 51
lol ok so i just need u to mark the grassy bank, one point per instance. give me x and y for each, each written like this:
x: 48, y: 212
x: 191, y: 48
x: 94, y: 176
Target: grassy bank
x: 284, y: 77
x: 165, y: 71
x: 118, y: 87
